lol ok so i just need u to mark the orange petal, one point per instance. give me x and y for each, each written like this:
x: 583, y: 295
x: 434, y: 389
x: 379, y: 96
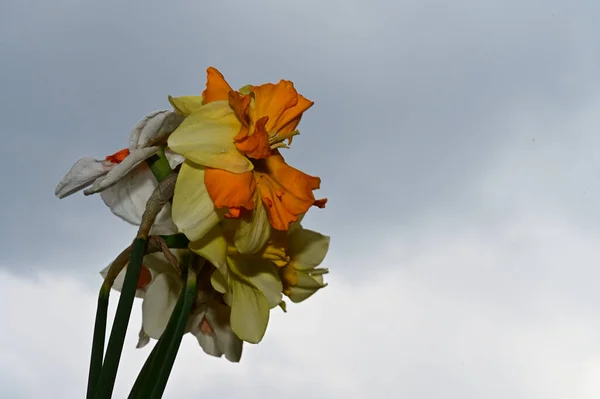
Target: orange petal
x: 298, y: 183
x: 273, y: 100
x: 118, y: 156
x: 205, y: 327
x: 255, y: 145
x: 234, y: 213
x: 144, y: 279
x: 240, y: 104
x: 217, y: 87
x: 291, y: 117
x: 228, y: 189
x: 286, y: 191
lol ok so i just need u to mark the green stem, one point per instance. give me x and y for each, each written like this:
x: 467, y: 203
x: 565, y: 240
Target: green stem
x: 142, y: 376
x: 178, y: 241
x: 98, y: 341
x: 169, y: 342
x: 169, y: 359
x: 117, y: 335
x: 159, y: 165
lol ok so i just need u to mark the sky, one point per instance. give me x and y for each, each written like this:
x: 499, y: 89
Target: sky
x: 456, y: 143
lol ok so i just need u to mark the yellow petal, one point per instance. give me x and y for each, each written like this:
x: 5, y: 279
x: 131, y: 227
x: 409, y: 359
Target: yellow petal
x: 307, y: 286
x: 213, y: 247
x: 249, y: 311
x: 254, y: 230
x: 259, y: 273
x: 307, y: 248
x: 206, y: 138
x: 219, y: 282
x: 185, y: 105
x: 193, y: 211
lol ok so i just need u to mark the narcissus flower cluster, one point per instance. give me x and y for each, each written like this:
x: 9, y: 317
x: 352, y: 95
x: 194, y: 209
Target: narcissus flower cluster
x: 237, y: 201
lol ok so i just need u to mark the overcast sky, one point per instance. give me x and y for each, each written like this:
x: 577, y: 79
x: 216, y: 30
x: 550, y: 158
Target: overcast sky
x: 456, y: 141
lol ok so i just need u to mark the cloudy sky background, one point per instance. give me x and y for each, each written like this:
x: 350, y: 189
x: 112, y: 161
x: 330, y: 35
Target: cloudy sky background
x: 457, y: 144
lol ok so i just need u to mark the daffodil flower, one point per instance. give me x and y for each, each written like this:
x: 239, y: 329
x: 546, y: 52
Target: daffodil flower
x: 301, y: 276
x: 124, y: 180
x: 160, y: 285
x: 253, y: 284
x: 230, y: 141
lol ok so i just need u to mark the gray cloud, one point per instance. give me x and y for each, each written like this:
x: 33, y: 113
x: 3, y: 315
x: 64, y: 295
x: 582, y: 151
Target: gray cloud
x: 457, y: 147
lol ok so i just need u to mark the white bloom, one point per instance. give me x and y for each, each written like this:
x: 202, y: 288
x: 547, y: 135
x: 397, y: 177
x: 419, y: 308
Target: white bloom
x: 159, y: 286
x: 124, y: 180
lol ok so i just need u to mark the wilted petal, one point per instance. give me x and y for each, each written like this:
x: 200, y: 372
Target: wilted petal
x: 82, y: 174
x: 128, y: 197
x: 121, y: 170
x: 193, y: 211
x: 154, y: 126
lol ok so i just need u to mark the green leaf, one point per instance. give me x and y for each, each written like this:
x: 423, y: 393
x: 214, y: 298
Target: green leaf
x: 98, y: 341
x: 168, y: 345
x: 108, y: 375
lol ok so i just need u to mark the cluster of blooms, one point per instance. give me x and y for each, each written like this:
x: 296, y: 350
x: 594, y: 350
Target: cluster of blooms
x: 236, y: 200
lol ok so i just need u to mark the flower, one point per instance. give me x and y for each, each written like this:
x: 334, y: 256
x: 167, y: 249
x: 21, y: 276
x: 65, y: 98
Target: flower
x: 230, y: 141
x: 253, y: 284
x: 300, y: 276
x: 160, y: 285
x: 123, y: 179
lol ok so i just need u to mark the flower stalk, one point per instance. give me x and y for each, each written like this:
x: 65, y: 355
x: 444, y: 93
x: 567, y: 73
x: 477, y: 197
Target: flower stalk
x: 98, y: 340
x: 157, y: 376
x: 160, y: 196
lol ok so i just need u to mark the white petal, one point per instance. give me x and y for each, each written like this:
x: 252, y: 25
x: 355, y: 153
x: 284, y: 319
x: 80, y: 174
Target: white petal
x: 159, y: 303
x: 193, y: 211
x: 207, y: 341
x: 152, y: 127
x: 118, y: 283
x: 227, y: 342
x: 157, y: 263
x: 143, y: 339
x: 307, y: 248
x: 259, y: 273
x: 206, y: 137
x: 254, y: 231
x: 174, y: 159
x: 127, y: 199
x: 134, y: 158
x: 82, y: 174
x: 221, y: 340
